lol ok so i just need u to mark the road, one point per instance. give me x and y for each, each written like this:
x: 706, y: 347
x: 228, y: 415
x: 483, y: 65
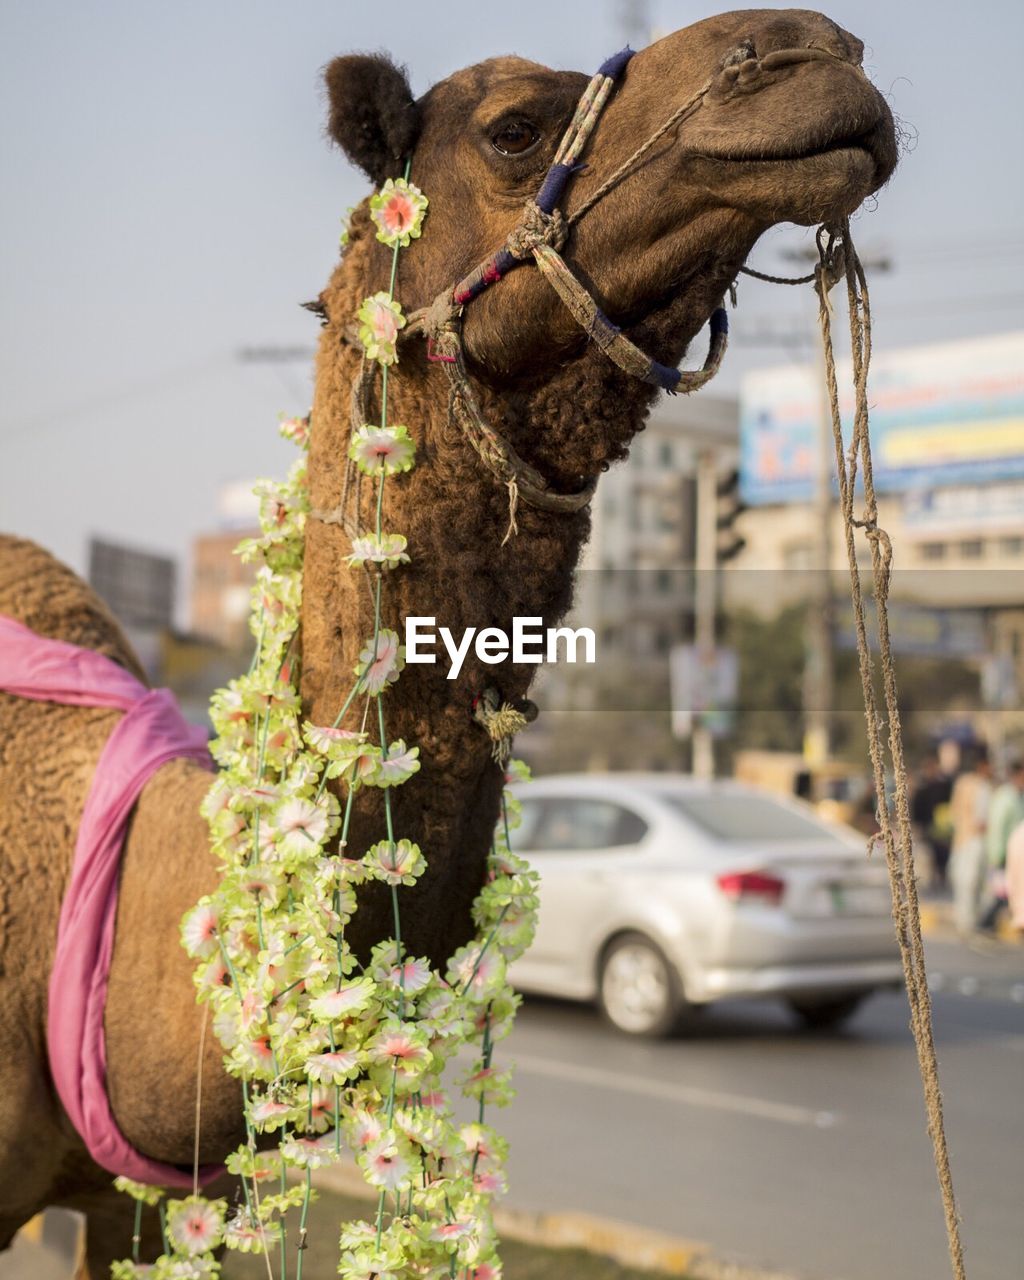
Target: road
x: 807, y: 1153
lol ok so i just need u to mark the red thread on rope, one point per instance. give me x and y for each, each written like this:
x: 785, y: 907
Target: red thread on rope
x: 432, y: 354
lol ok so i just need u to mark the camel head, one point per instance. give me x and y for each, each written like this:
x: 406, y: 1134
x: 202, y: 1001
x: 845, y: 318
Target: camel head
x: 789, y: 130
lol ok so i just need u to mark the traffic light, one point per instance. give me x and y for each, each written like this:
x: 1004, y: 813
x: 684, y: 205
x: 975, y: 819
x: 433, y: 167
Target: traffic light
x: 728, y: 543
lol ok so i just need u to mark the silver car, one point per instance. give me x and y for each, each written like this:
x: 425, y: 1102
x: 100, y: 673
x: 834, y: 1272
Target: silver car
x: 660, y: 892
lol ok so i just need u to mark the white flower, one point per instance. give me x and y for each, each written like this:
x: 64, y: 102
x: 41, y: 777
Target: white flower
x: 400, y: 1042
x: 333, y: 1068
x: 477, y: 972
x: 380, y: 662
x: 382, y: 450
x: 195, y: 1225
x: 395, y: 862
x: 310, y: 1153
x: 411, y: 975
x: 245, y: 1233
x: 268, y: 1113
x: 396, y: 767
x: 380, y: 319
x: 387, y: 550
x: 301, y: 826
x: 199, y: 931
x: 331, y: 741
x: 388, y: 1163
x: 349, y: 998
x: 398, y: 210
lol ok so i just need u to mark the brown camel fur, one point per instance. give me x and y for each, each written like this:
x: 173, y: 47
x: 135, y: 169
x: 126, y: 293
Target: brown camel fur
x: 800, y: 141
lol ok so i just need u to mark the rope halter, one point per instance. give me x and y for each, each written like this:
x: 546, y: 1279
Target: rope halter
x: 541, y: 234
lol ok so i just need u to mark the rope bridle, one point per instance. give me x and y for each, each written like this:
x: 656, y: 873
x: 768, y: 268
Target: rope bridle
x: 540, y: 236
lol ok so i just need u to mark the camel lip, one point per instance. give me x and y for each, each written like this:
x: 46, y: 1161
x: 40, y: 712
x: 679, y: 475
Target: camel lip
x: 863, y: 140
x: 867, y: 143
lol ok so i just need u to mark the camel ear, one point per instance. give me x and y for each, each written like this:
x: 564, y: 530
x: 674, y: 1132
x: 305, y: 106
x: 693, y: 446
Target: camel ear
x: 372, y: 115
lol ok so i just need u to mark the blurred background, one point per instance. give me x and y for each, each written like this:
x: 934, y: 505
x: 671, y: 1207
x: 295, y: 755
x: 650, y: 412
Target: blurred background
x: 169, y: 200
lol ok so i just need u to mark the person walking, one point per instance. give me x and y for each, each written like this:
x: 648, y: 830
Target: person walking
x: 930, y: 815
x: 969, y: 803
x: 1005, y: 813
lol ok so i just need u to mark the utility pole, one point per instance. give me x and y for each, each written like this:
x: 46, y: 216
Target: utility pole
x: 705, y: 602
x: 819, y: 675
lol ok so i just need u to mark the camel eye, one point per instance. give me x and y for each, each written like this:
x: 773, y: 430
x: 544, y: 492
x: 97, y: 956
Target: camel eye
x: 515, y: 138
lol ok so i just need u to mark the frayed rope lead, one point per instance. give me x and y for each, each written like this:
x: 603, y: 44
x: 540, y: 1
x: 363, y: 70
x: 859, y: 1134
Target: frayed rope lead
x: 500, y: 720
x: 513, y: 505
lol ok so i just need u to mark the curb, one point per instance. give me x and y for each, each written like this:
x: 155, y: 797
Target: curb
x: 624, y: 1242
x: 937, y: 921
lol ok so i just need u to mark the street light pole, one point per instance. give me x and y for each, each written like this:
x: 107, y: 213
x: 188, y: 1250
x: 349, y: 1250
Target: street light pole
x: 705, y: 601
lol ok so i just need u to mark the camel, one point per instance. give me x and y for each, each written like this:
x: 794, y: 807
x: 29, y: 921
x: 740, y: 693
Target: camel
x: 790, y: 130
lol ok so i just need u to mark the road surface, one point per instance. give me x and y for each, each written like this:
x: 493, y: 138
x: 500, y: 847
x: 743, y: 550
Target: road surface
x: 808, y: 1153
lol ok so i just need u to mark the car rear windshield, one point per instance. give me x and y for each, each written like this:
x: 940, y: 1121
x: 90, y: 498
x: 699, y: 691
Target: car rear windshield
x: 743, y: 817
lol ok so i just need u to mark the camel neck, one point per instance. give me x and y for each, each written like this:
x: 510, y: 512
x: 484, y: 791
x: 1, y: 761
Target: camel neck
x: 455, y: 518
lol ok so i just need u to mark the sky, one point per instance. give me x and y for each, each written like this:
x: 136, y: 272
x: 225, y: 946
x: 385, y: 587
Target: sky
x: 167, y: 199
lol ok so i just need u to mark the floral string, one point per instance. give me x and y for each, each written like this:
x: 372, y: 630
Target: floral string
x: 336, y: 1057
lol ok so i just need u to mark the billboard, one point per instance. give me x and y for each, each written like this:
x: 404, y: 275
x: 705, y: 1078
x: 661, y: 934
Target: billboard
x: 948, y: 414
x: 137, y: 585
x: 918, y: 629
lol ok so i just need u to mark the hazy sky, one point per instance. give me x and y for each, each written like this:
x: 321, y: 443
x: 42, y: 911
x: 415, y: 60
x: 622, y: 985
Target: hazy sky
x: 168, y: 198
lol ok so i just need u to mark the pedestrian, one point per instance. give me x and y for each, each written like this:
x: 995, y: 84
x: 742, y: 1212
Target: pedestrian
x: 1005, y: 814
x: 931, y: 817
x: 969, y: 805
x: 1015, y: 877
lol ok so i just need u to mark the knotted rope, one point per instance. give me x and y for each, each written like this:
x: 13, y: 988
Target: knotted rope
x: 536, y: 230
x: 501, y: 721
x: 839, y: 257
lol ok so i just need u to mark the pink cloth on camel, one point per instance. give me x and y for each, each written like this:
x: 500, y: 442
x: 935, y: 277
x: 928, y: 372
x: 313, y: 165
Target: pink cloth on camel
x: 151, y: 732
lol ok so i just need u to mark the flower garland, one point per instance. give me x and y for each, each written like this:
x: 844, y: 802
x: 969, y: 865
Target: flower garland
x: 335, y: 1057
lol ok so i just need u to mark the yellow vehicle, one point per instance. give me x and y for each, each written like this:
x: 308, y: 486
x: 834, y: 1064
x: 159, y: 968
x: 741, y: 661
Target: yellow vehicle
x: 838, y: 790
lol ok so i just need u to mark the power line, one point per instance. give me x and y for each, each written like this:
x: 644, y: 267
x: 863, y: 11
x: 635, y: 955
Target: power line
x: 112, y: 399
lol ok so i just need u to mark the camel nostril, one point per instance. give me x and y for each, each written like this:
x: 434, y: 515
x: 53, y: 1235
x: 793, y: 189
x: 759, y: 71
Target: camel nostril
x: 749, y: 70
x: 741, y: 53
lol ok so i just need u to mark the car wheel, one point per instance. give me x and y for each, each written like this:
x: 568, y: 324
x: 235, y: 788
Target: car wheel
x: 824, y: 1015
x: 638, y: 988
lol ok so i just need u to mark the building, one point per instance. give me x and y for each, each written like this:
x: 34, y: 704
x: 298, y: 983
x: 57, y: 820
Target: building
x: 139, y: 588
x: 635, y: 590
x: 221, y: 586
x: 221, y: 581
x: 947, y: 432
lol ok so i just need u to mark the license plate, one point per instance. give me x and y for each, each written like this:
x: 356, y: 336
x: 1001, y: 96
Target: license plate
x: 859, y: 899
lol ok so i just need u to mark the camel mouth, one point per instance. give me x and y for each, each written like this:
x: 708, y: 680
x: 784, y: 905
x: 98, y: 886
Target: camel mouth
x: 844, y: 117
x: 869, y: 143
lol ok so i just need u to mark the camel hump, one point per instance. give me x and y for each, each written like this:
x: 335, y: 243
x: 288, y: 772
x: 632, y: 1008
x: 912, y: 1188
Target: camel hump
x: 39, y: 591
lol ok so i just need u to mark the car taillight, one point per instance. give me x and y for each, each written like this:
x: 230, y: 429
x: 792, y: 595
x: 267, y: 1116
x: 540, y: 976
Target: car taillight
x: 742, y: 886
